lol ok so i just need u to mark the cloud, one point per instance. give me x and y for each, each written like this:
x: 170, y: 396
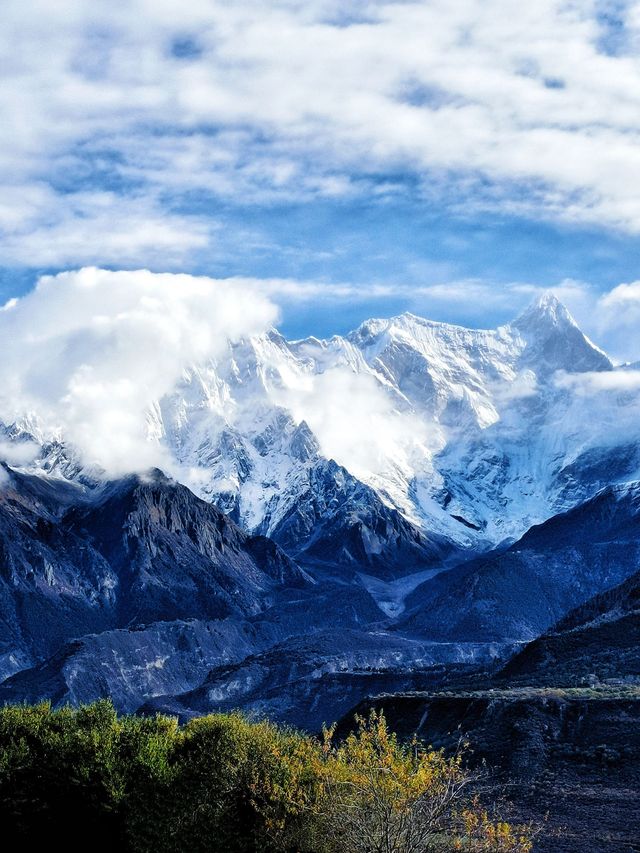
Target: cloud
x: 357, y: 422
x: 18, y: 452
x: 89, y: 352
x: 619, y: 317
x: 450, y: 293
x: 47, y: 231
x: 523, y: 386
x: 114, y: 117
x: 587, y: 384
x: 602, y: 408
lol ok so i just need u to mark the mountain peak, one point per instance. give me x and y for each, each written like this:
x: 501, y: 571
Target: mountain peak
x: 554, y: 339
x: 405, y: 325
x: 546, y: 310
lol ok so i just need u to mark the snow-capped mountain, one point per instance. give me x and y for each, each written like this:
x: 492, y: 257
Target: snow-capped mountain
x: 469, y: 435
x: 383, y: 491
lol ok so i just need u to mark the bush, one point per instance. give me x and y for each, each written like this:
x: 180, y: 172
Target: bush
x: 383, y: 796
x: 221, y: 784
x: 234, y: 786
x: 67, y: 776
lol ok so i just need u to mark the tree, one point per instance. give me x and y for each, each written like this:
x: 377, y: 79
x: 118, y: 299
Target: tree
x: 382, y: 796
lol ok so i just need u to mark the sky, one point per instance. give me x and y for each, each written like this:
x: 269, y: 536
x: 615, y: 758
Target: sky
x: 344, y: 159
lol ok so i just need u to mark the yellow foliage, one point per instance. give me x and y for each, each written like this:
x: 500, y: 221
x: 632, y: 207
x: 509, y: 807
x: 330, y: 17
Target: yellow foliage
x: 380, y: 795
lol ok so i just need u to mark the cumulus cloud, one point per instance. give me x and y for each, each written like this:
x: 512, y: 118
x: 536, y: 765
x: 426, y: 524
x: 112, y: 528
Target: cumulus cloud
x: 487, y: 103
x: 89, y: 352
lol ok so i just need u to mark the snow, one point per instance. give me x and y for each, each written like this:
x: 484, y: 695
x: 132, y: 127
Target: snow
x: 472, y: 434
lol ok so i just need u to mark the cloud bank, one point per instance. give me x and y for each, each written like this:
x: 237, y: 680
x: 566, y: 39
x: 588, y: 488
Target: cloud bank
x: 87, y: 353
x: 357, y: 423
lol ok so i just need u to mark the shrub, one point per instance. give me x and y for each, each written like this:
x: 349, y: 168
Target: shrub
x: 383, y: 796
x: 66, y: 776
x: 235, y: 786
x: 221, y: 784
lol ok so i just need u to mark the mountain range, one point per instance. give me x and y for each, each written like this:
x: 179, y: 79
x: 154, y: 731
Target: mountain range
x: 335, y: 514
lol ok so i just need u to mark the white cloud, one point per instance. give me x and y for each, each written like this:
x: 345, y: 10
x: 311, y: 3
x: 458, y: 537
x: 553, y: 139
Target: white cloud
x: 18, y: 452
x: 603, y: 408
x: 89, y: 352
x: 355, y: 421
x: 586, y: 384
x: 489, y: 103
x: 119, y: 230
x: 619, y: 317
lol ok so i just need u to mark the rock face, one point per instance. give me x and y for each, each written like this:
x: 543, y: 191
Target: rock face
x: 311, y: 680
x: 132, y: 664
x: 74, y: 562
x: 139, y: 590
x: 598, y: 642
x: 337, y: 520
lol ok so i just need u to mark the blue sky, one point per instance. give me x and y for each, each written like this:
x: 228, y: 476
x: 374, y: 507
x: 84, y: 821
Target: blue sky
x: 362, y: 158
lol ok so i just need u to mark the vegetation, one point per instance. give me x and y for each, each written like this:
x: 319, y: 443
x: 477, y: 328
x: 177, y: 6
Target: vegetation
x: 514, y: 692
x: 88, y: 779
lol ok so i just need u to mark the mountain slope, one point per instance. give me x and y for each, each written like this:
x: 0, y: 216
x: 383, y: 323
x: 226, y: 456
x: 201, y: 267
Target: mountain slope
x: 472, y: 435
x: 597, y: 642
x: 310, y: 680
x: 335, y: 519
x: 76, y: 561
x: 411, y: 483
x: 521, y: 591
